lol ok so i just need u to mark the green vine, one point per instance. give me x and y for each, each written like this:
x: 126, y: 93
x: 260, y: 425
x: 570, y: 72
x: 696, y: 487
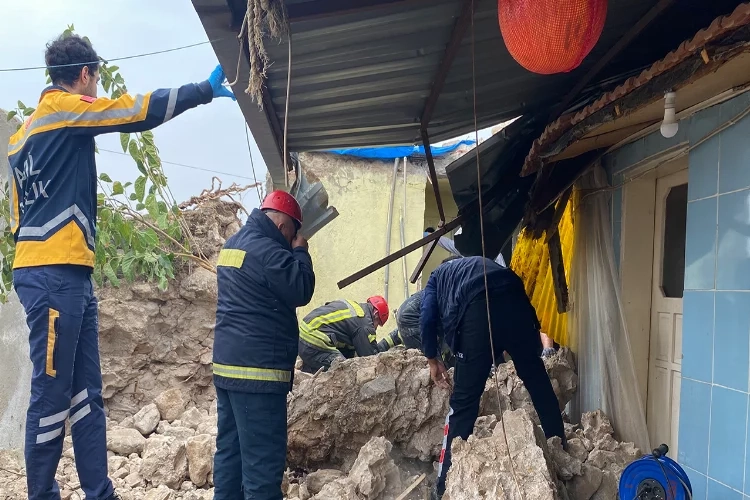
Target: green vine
x: 140, y: 228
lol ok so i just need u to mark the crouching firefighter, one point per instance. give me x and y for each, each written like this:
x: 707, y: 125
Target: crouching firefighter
x: 53, y: 210
x: 409, y: 332
x: 339, y: 330
x: 264, y: 272
x: 456, y: 296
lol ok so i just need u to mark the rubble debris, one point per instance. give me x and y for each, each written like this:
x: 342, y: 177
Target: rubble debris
x: 125, y: 441
x: 170, y: 404
x: 481, y: 467
x: 146, y: 420
x: 200, y: 452
x: 164, y: 461
x: 332, y: 416
x: 153, y: 340
x: 374, y: 474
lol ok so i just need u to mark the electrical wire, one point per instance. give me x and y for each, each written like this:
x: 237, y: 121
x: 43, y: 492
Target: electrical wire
x: 252, y: 163
x: 191, y: 166
x: 123, y: 58
x: 484, y: 256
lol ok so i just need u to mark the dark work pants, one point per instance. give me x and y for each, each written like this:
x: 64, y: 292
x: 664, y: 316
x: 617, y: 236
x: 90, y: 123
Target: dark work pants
x: 513, y: 330
x: 313, y: 359
x: 66, y: 382
x: 250, y: 445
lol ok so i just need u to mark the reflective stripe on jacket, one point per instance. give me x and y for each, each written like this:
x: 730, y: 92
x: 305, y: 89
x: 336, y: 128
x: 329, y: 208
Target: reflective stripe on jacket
x: 341, y: 325
x: 261, y: 281
x: 53, y: 200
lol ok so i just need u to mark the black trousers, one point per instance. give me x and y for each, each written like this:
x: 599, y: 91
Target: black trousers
x: 313, y: 359
x: 513, y: 330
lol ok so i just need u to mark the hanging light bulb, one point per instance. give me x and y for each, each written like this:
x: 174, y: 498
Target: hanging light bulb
x: 669, y: 126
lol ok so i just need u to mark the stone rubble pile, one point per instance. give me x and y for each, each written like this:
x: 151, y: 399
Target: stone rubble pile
x: 355, y: 433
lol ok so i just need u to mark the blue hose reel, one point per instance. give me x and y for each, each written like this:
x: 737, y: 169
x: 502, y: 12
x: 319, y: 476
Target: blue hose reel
x: 655, y: 477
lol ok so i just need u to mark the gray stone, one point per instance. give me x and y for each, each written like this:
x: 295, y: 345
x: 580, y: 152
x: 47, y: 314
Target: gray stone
x: 577, y: 449
x: 315, y: 481
x: 381, y: 385
x: 164, y: 461
x: 147, y: 419
x: 584, y: 486
x: 567, y: 466
x: 200, y: 453
x: 171, y: 404
x: 125, y: 441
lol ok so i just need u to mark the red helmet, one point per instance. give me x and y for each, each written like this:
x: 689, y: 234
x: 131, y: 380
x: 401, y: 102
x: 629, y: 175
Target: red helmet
x: 381, y: 306
x: 283, y: 202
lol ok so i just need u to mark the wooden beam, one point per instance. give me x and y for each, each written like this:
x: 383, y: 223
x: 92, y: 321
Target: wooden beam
x: 422, y: 261
x: 433, y: 174
x: 457, y: 36
x: 623, y: 42
x: 558, y: 273
x: 400, y: 253
x: 559, y: 211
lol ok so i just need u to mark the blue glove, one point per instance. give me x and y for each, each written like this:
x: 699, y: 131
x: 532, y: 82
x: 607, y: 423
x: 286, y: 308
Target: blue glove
x: 216, y: 79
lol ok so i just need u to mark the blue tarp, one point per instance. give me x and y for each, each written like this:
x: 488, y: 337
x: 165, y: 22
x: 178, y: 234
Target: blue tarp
x: 390, y: 153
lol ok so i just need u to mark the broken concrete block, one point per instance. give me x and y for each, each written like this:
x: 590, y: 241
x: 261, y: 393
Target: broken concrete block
x: 315, y: 481
x: 193, y: 417
x: 374, y: 474
x: 200, y: 452
x: 577, y: 449
x: 340, y: 489
x: 608, y: 489
x: 125, y: 441
x: 584, y: 486
x: 160, y: 493
x: 147, y: 419
x: 330, y: 417
x: 567, y: 466
x: 596, y: 426
x: 481, y: 468
x: 164, y: 461
x: 171, y: 404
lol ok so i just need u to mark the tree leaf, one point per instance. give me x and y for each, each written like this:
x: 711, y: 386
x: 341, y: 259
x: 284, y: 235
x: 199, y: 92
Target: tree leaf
x: 152, y: 206
x: 139, y: 206
x: 140, y: 188
x: 11, y: 115
x: 163, y: 284
x: 127, y: 185
x: 117, y: 188
x: 110, y: 273
x: 124, y: 141
x: 21, y: 106
x: 134, y: 151
x: 133, y: 197
x: 104, y: 177
x: 141, y: 167
x: 113, y: 69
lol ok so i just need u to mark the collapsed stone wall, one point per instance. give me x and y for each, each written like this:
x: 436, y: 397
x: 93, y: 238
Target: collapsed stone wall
x: 151, y: 340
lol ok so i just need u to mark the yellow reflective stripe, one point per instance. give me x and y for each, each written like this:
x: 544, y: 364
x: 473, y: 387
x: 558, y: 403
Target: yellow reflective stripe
x: 51, y: 338
x: 250, y: 373
x: 357, y: 308
x: 231, y: 258
x: 372, y: 337
x: 317, y: 339
x: 327, y: 319
x: 390, y: 341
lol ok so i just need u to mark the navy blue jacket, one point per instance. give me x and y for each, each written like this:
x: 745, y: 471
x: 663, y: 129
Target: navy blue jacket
x: 450, y: 289
x: 261, y: 281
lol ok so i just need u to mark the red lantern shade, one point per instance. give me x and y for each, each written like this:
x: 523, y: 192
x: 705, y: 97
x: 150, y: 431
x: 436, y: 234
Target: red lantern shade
x: 551, y: 36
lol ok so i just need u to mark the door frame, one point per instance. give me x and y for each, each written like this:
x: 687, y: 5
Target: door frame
x: 637, y: 255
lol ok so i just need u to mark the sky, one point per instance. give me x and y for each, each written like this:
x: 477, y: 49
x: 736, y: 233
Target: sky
x: 208, y: 137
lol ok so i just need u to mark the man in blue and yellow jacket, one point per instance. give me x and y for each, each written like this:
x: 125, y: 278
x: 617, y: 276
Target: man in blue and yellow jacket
x: 264, y: 273
x: 53, y: 218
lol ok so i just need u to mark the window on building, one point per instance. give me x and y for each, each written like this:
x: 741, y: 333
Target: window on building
x: 673, y: 257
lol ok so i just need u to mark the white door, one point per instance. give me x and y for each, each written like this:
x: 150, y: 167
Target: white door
x: 665, y: 344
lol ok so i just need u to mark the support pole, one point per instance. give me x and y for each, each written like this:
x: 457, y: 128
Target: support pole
x: 390, y: 226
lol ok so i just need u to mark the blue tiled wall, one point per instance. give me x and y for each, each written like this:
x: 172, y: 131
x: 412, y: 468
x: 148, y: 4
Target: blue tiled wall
x: 715, y: 395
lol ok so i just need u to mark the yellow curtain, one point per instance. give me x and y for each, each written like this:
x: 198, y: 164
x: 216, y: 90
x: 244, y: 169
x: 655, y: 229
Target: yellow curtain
x: 530, y: 261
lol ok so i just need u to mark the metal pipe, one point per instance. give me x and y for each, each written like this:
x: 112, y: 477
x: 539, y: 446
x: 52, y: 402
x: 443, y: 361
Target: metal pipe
x: 403, y: 238
x: 390, y: 226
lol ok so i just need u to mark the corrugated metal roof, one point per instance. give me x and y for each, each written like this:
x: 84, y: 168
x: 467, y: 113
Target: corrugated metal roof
x: 362, y: 77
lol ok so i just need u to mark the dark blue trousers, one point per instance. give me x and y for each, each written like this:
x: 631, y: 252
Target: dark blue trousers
x: 250, y: 446
x: 66, y: 383
x: 513, y: 330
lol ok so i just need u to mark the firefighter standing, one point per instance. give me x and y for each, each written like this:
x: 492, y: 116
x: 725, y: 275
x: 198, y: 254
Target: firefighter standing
x: 264, y: 273
x: 53, y: 204
x: 341, y: 329
x: 455, y: 296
